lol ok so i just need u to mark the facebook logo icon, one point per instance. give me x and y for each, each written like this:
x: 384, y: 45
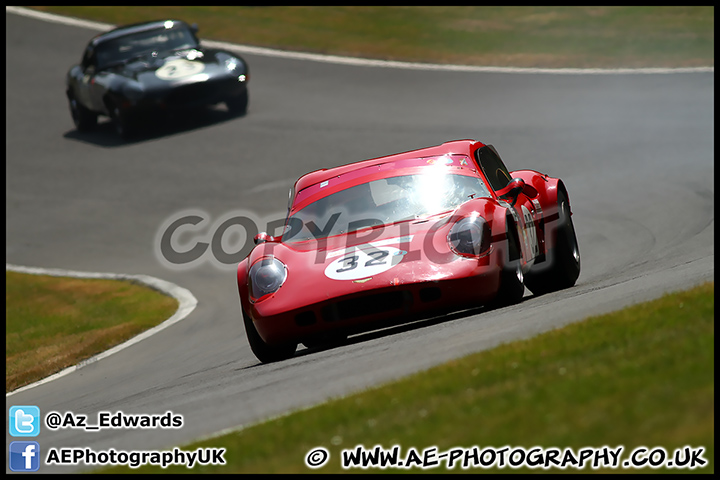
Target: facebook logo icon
x: 24, y: 421
x: 24, y: 456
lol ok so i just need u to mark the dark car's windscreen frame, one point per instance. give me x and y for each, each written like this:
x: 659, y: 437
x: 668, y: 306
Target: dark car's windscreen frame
x: 105, y: 48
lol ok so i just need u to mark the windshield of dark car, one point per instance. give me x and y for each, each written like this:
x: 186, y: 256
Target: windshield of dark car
x: 122, y: 49
x: 383, y: 202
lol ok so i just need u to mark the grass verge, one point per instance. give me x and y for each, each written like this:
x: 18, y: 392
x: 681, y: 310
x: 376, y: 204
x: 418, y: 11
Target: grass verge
x: 53, y: 323
x: 643, y: 376
x: 531, y: 36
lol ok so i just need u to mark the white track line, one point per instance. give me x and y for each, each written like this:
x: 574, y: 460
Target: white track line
x: 49, y: 17
x: 186, y: 300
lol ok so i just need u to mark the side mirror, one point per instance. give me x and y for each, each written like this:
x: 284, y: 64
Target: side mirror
x: 194, y: 28
x: 263, y: 237
x: 512, y: 190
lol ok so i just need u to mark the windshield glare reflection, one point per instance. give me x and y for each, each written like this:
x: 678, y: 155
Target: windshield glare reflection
x: 382, y: 202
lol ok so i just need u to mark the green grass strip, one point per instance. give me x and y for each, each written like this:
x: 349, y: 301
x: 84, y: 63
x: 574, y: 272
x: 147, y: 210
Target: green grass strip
x: 530, y: 36
x: 53, y: 322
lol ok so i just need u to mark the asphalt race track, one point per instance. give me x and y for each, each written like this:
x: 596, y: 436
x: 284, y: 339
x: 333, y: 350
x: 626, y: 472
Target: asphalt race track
x: 635, y: 150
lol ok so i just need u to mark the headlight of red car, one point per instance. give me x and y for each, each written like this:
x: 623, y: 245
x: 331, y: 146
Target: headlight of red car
x: 470, y: 236
x: 266, y: 276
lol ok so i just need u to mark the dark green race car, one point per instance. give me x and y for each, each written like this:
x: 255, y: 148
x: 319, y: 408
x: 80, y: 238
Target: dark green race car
x: 134, y: 71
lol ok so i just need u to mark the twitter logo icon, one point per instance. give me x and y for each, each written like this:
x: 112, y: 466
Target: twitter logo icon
x: 24, y: 421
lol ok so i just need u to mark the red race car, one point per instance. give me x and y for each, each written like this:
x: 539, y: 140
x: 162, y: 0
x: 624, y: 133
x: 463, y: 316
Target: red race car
x: 402, y: 237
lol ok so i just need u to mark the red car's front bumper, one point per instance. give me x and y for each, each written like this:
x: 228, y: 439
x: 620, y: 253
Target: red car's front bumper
x: 465, y: 283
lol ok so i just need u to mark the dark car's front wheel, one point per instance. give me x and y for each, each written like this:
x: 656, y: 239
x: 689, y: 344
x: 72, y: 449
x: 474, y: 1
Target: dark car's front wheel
x: 121, y: 121
x: 264, y: 352
x: 237, y: 104
x: 84, y: 119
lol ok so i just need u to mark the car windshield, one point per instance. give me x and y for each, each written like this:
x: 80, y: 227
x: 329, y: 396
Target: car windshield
x: 130, y: 46
x: 383, y: 202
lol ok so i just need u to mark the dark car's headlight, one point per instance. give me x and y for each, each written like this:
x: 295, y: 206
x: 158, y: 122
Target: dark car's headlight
x: 266, y: 276
x: 232, y: 64
x: 470, y: 236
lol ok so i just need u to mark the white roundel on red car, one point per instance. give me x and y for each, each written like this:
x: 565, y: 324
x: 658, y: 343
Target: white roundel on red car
x: 362, y: 263
x: 179, y: 68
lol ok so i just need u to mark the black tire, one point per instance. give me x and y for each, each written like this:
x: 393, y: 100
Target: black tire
x: 264, y: 352
x: 561, y: 267
x: 84, y: 119
x: 124, y: 126
x: 512, y: 281
x: 237, y: 105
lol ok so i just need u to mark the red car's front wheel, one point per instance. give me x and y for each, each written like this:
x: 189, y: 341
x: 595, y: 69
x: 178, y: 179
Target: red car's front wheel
x: 264, y: 352
x: 512, y: 286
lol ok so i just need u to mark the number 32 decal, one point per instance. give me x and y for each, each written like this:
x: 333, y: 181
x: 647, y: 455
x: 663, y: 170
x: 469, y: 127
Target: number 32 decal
x: 364, y: 263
